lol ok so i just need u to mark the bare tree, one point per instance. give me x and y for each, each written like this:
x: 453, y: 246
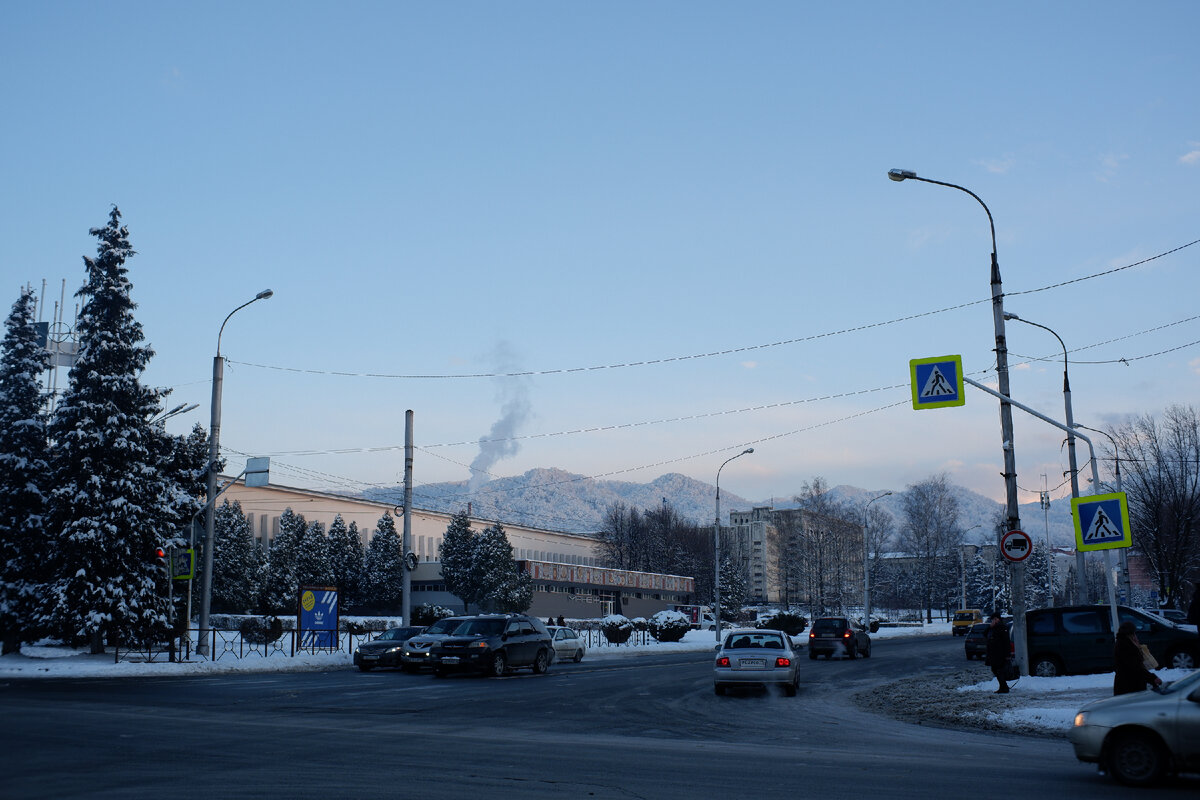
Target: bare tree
x: 1162, y: 480
x: 930, y: 534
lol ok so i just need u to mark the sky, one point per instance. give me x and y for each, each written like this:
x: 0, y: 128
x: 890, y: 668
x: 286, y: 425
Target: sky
x: 672, y: 221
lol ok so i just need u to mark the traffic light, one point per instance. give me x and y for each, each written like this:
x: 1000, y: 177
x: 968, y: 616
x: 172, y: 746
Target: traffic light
x: 160, y: 557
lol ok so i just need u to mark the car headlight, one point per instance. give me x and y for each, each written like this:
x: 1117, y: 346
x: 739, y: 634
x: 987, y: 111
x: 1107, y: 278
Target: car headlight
x: 478, y: 645
x: 394, y: 649
x: 1081, y: 719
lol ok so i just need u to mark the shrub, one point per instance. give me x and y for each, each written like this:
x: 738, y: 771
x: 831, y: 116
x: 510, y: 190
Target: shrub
x: 640, y: 624
x: 668, y: 626
x: 786, y: 621
x: 428, y: 613
x: 616, y: 628
x: 261, y: 630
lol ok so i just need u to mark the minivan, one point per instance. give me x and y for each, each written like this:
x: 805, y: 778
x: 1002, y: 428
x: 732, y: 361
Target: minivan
x: 1079, y: 639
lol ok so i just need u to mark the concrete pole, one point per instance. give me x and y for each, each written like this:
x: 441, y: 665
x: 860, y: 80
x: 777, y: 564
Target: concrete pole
x: 717, y: 549
x: 406, y: 539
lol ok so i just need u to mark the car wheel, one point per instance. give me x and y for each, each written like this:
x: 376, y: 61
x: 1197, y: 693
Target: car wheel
x: 1181, y: 659
x: 867, y: 652
x: 541, y: 663
x: 1136, y: 759
x: 852, y: 652
x: 1046, y: 667
x: 578, y: 656
x: 497, y: 666
x: 718, y: 689
x: 365, y: 667
x: 790, y: 689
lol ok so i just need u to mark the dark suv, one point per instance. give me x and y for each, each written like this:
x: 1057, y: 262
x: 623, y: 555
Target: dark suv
x: 1079, y: 639
x: 492, y: 644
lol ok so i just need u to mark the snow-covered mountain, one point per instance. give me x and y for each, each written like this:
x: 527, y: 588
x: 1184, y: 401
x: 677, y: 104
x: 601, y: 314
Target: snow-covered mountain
x: 554, y: 499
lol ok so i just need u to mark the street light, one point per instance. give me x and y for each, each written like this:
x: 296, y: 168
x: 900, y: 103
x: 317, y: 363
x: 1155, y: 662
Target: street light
x: 717, y: 549
x: 867, y: 563
x: 1006, y: 426
x: 962, y: 566
x: 1080, y: 584
x: 214, y: 454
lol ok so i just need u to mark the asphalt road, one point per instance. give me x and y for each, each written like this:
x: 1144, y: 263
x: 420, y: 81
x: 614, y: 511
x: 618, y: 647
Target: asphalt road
x: 641, y: 727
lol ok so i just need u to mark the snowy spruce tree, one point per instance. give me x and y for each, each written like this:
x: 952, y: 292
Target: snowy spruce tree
x: 733, y: 589
x: 383, y: 568
x: 502, y: 587
x: 281, y: 577
x: 457, y: 553
x: 235, y: 562
x: 346, y: 561
x: 312, y: 558
x: 110, y: 488
x: 23, y: 476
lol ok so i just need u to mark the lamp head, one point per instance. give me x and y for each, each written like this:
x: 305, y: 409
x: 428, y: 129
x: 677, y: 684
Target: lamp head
x: 748, y: 450
x: 901, y: 174
x: 1009, y: 315
x: 264, y: 294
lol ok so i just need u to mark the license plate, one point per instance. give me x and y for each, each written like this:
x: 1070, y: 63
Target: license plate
x: 370, y: 658
x: 752, y: 663
x: 449, y: 659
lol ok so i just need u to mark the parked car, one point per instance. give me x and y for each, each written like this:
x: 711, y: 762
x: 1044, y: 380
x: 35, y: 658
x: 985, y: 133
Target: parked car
x: 754, y: 657
x: 385, y: 649
x: 567, y: 644
x: 963, y: 619
x: 415, y: 654
x: 833, y: 636
x: 493, y: 644
x: 1079, y: 639
x: 1140, y: 737
x: 1169, y: 614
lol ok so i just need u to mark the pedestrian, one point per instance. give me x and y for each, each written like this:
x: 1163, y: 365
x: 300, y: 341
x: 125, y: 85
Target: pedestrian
x: 1193, y: 613
x: 1130, y: 661
x: 562, y: 623
x: 549, y: 620
x: 998, y: 650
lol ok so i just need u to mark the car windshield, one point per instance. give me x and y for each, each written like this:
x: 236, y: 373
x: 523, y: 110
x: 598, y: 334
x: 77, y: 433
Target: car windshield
x: 964, y: 615
x: 398, y: 634
x: 447, y: 625
x: 481, y: 627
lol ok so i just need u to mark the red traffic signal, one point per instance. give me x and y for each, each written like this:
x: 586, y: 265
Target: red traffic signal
x: 160, y: 555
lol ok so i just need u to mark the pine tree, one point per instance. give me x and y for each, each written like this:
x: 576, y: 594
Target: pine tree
x: 312, y: 558
x: 235, y: 562
x: 499, y: 586
x: 23, y: 471
x: 383, y: 567
x: 733, y: 589
x: 106, y: 509
x: 281, y: 577
x: 457, y: 555
x: 979, y: 583
x: 346, y: 561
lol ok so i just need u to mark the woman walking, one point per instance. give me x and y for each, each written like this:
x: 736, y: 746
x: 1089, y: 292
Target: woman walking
x: 1129, y: 660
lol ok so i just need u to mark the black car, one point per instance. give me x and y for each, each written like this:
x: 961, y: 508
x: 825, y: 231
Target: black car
x: 838, y: 636
x: 493, y: 644
x: 385, y: 649
x: 1079, y: 639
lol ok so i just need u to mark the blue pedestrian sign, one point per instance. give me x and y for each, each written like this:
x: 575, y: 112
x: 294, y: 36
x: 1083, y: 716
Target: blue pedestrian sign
x: 1101, y: 522
x: 937, y: 382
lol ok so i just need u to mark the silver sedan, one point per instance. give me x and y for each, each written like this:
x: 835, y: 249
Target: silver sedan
x: 753, y: 657
x: 1140, y: 737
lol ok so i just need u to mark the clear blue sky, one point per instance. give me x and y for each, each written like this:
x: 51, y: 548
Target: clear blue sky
x: 443, y: 189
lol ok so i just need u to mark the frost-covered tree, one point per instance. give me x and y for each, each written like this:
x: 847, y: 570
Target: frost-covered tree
x: 979, y: 583
x: 456, y: 559
x: 930, y: 534
x: 23, y: 475
x: 502, y: 587
x: 383, y: 567
x: 733, y: 589
x: 235, y: 562
x: 110, y: 488
x: 346, y: 561
x: 312, y: 559
x: 281, y: 576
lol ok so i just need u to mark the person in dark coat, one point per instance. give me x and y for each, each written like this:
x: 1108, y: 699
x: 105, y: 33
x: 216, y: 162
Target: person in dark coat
x: 998, y: 650
x: 1193, y: 613
x: 1131, y: 673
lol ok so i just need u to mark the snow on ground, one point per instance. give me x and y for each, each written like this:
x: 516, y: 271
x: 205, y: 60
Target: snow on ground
x: 1041, y: 704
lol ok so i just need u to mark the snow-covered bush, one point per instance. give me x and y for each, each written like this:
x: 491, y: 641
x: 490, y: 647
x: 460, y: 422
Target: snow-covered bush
x: 668, y: 626
x: 261, y: 630
x: 640, y: 624
x: 786, y: 621
x: 616, y: 628
x: 428, y: 613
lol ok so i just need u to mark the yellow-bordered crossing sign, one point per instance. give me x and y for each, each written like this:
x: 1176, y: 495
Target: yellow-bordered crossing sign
x: 1101, y: 522
x: 937, y: 382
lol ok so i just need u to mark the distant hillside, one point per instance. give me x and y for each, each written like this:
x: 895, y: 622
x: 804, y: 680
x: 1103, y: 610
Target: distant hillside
x: 557, y: 500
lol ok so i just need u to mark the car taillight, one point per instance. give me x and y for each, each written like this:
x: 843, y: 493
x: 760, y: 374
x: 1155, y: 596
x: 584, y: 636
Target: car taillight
x: 812, y: 634
x: 783, y: 662
x: 723, y: 661
x: 847, y: 634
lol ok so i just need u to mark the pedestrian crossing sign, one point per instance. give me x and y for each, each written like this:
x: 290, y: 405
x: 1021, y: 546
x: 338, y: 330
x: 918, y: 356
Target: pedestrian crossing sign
x: 1101, y: 522
x: 937, y: 382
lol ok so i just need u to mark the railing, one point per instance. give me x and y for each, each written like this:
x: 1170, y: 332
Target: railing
x: 232, y: 644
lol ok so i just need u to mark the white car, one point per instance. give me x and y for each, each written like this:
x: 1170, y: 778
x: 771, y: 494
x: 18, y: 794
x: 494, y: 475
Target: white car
x: 567, y: 644
x: 1140, y: 737
x: 756, y: 657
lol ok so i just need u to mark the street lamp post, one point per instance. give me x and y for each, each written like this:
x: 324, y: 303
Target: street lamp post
x: 1080, y: 595
x: 867, y: 563
x: 717, y: 550
x: 962, y: 567
x: 1012, y: 508
x: 214, y: 454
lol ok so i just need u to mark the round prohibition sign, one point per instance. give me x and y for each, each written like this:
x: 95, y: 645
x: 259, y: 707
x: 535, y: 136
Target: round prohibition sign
x: 1016, y: 545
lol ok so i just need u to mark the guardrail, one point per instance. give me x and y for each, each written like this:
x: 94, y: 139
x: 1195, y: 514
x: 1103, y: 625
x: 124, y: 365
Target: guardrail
x: 233, y: 644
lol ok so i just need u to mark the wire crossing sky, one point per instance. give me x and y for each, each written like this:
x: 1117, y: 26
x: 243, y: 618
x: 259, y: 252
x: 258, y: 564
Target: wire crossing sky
x: 621, y: 240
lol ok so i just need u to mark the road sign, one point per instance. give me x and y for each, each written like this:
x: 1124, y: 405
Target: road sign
x: 1016, y: 545
x: 1101, y: 522
x: 183, y: 563
x: 317, y: 617
x: 937, y: 382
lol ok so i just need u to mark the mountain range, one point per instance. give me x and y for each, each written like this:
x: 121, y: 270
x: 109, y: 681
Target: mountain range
x: 553, y: 499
